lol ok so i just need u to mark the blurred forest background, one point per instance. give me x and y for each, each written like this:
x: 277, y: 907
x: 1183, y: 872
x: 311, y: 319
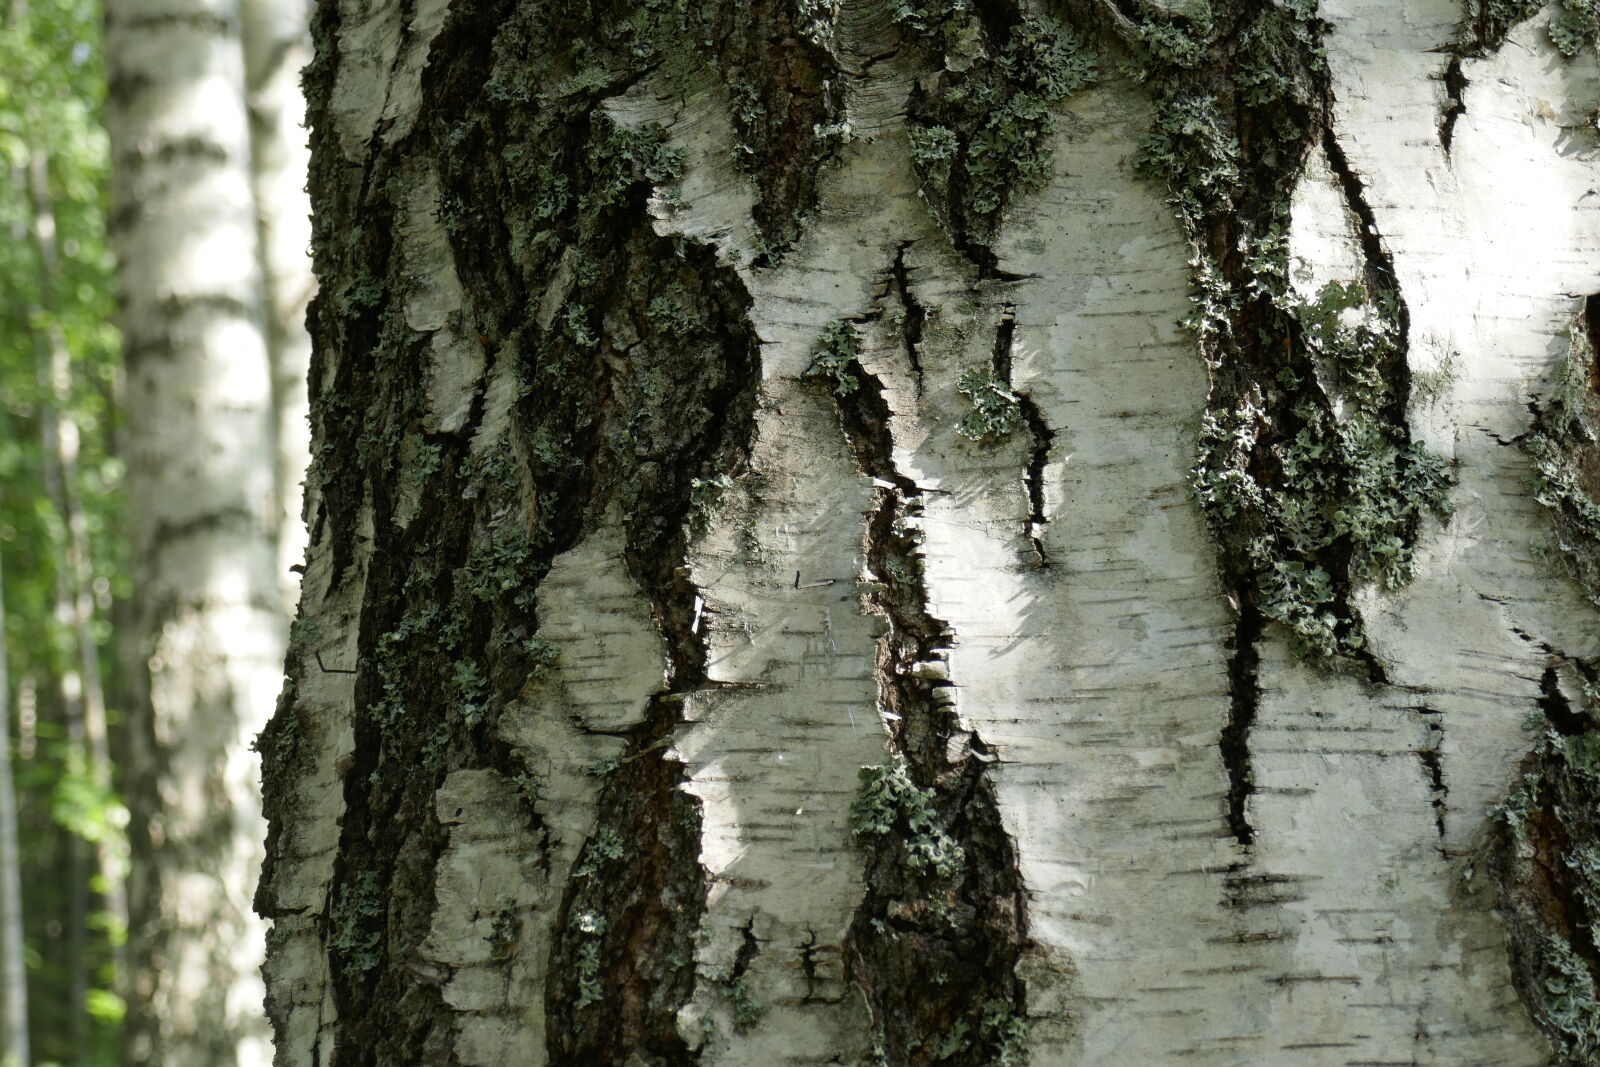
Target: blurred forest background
x: 63, y: 562
x: 67, y: 691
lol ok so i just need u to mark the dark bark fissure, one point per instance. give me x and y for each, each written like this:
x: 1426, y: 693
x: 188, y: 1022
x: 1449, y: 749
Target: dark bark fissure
x: 1431, y: 757
x: 1043, y: 440
x: 912, y: 316
x: 1242, y: 98
x: 1591, y: 320
x: 1244, y: 697
x: 964, y: 926
x: 1563, y: 447
x: 1455, y: 101
x: 1039, y: 432
x: 787, y: 91
x: 980, y: 121
x: 1544, y: 861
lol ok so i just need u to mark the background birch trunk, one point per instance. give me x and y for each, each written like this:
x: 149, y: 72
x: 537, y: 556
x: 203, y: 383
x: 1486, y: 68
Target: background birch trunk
x: 277, y: 44
x: 13, y: 964
x: 785, y: 587
x: 202, y: 520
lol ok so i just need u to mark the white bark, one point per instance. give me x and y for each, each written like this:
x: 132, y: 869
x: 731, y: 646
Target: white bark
x: 13, y: 967
x: 276, y: 45
x: 201, y: 523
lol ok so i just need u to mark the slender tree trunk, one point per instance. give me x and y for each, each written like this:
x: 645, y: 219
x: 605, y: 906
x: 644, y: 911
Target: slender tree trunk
x: 13, y: 968
x: 202, y: 525
x: 277, y: 44
x: 785, y: 587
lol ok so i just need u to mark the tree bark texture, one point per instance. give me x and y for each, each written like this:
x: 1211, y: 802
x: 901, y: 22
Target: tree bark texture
x: 785, y: 587
x: 208, y: 630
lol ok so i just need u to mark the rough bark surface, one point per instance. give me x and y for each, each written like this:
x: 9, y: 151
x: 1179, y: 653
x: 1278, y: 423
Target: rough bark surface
x: 784, y: 586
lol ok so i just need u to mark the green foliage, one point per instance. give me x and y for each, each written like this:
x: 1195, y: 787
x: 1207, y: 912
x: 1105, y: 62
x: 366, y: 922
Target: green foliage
x: 50, y: 103
x: 996, y: 410
x: 834, y: 355
x: 889, y: 802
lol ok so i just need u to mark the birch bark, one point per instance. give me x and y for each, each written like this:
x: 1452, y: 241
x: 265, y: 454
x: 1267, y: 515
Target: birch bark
x: 785, y: 587
x: 13, y: 969
x: 202, y: 525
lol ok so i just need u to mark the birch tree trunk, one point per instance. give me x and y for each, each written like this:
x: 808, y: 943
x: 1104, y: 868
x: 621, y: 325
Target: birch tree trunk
x: 784, y: 587
x: 13, y: 970
x: 202, y: 522
x: 277, y: 45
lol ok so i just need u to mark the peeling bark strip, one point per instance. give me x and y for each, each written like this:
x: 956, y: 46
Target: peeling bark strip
x: 936, y: 940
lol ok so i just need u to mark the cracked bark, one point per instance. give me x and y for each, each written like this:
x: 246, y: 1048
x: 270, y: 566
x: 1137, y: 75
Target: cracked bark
x: 969, y: 928
x: 623, y: 578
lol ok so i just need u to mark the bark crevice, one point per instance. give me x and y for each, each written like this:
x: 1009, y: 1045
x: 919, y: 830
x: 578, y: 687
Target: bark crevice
x: 944, y: 894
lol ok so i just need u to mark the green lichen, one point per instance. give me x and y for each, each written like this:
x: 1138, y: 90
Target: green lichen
x: 1305, y: 468
x: 355, y: 936
x: 1344, y: 486
x: 889, y: 802
x: 1576, y: 26
x: 996, y: 409
x: 1564, y: 453
x: 1573, y: 26
x: 747, y: 1010
x: 834, y: 355
x: 982, y: 135
x: 591, y: 926
x: 705, y: 497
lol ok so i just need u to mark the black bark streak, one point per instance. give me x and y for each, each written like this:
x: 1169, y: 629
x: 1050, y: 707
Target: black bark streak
x: 1431, y: 757
x: 1244, y: 697
x: 969, y: 929
x: 1039, y: 431
x: 1455, y: 89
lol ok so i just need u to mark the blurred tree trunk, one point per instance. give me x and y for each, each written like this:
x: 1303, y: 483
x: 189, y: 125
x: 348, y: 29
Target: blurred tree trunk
x: 13, y: 966
x: 202, y: 522
x: 277, y: 44
x: 784, y: 588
